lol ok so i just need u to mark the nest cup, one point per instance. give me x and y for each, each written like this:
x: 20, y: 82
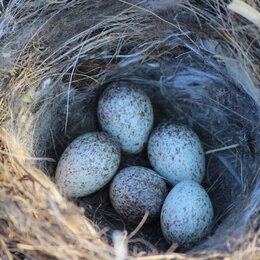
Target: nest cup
x: 196, y: 62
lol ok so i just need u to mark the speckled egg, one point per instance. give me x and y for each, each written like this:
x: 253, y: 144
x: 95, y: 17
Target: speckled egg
x: 137, y: 189
x: 176, y: 153
x: 126, y: 112
x: 87, y: 164
x: 187, y: 213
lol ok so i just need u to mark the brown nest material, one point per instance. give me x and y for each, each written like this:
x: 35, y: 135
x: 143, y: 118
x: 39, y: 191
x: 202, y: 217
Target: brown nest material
x: 199, y: 63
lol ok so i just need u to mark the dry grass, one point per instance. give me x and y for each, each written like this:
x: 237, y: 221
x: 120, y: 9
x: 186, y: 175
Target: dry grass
x: 54, y: 55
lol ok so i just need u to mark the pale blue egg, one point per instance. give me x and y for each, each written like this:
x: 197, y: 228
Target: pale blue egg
x: 187, y: 213
x: 87, y: 164
x: 126, y: 113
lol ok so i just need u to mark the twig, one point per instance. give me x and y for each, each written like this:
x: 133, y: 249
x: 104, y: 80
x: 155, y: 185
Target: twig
x: 245, y: 10
x: 222, y: 149
x: 133, y: 233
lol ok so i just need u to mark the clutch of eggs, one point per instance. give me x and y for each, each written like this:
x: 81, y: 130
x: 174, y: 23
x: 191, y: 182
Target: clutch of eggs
x: 125, y: 113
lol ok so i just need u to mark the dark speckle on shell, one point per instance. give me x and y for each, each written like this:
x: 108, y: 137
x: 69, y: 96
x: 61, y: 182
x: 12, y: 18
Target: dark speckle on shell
x: 135, y: 190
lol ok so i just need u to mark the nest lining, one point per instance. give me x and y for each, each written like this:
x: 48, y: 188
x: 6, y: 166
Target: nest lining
x: 52, y: 99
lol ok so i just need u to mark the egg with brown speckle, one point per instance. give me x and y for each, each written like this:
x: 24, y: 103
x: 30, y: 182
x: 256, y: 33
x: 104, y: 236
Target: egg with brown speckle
x: 87, y: 164
x: 126, y: 113
x: 175, y: 152
x: 187, y: 213
x: 135, y: 190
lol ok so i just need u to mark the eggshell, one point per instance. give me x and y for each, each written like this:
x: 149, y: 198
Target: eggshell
x: 137, y: 189
x: 87, y: 164
x: 126, y: 113
x: 187, y: 213
x: 176, y: 153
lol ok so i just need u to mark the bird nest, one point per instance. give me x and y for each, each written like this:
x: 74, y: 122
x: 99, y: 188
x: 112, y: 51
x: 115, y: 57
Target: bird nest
x: 198, y: 61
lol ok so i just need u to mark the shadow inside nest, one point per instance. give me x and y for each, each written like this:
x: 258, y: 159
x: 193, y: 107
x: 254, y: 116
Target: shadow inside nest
x: 185, y: 90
